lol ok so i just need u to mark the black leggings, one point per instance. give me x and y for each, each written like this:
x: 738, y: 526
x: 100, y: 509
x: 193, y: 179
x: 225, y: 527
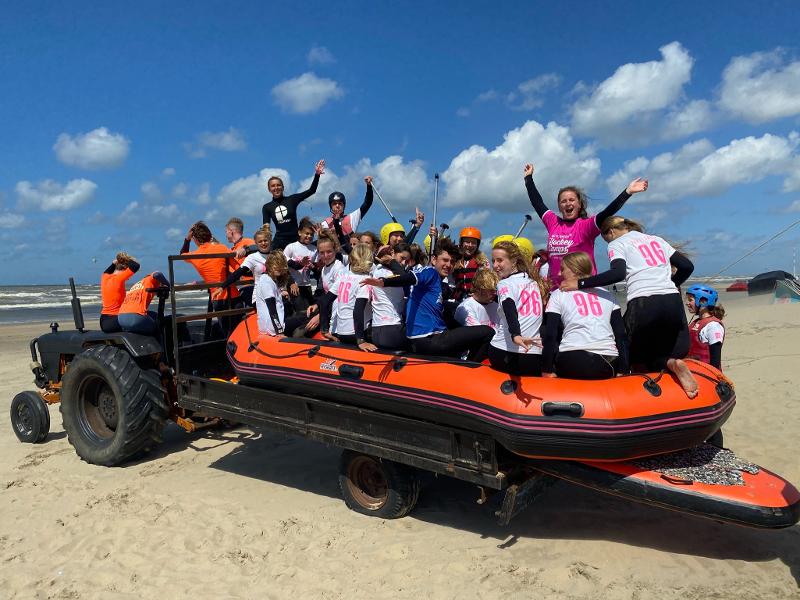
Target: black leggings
x: 515, y: 363
x: 581, y: 364
x: 303, y: 300
x: 109, y: 324
x: 390, y: 337
x: 657, y: 331
x: 455, y: 342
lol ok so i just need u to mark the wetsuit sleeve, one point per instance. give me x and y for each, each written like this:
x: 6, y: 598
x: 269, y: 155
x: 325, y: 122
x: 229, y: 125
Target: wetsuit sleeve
x: 235, y: 276
x: 358, y: 317
x: 160, y: 278
x: 272, y: 307
x: 295, y: 265
x: 133, y: 265
x: 250, y: 249
x: 185, y: 247
x: 396, y: 268
x: 310, y: 191
x: 325, y: 305
x: 715, y: 355
x: 365, y: 206
x: 412, y: 233
x: 407, y: 278
x: 110, y: 270
x: 549, y: 341
x: 621, y: 339
x: 612, y: 208
x: 535, y: 197
x: 684, y: 268
x: 614, y: 275
x: 510, y: 311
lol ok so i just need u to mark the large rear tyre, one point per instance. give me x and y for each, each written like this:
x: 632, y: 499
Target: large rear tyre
x: 112, y: 409
x: 30, y: 417
x: 376, y: 487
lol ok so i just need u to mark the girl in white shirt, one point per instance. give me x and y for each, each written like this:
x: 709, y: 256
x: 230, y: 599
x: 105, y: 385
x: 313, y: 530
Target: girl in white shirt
x: 344, y: 291
x: 388, y: 307
x: 301, y: 256
x: 269, y: 300
x: 593, y: 344
x: 516, y: 347
x: 654, y: 316
x: 481, y: 307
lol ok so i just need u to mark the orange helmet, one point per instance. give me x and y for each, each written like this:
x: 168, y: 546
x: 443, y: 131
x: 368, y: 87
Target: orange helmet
x: 470, y: 232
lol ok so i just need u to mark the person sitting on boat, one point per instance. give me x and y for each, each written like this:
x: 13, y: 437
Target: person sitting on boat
x: 213, y: 270
x: 471, y: 260
x: 593, y: 344
x: 654, y: 317
x: 269, y: 298
x: 234, y: 230
x: 343, y: 225
x: 133, y: 314
x: 252, y: 263
x: 112, y: 290
x: 330, y: 263
x: 344, y: 292
x: 480, y: 308
x: 393, y: 233
x: 282, y: 210
x: 425, y: 324
x: 516, y: 347
x: 574, y: 230
x: 301, y: 256
x: 706, y: 332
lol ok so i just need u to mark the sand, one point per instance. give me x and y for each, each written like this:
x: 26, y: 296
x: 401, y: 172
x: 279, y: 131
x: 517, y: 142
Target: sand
x: 249, y: 514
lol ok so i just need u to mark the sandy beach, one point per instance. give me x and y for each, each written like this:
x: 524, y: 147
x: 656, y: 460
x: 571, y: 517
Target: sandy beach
x: 251, y: 514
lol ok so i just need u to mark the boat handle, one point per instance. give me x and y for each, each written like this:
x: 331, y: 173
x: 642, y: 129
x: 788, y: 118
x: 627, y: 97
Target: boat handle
x: 569, y: 409
x: 351, y: 371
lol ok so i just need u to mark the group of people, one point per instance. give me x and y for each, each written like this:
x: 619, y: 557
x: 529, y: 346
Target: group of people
x: 546, y: 314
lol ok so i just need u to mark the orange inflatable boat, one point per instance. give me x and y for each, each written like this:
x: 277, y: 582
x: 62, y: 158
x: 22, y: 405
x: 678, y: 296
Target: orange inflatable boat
x: 612, y: 420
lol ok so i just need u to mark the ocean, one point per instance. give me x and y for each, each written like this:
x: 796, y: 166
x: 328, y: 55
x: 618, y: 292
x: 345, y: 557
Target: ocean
x: 48, y: 303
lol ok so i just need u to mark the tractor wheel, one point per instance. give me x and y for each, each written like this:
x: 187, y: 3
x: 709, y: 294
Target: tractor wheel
x: 377, y: 487
x: 112, y: 409
x: 30, y: 417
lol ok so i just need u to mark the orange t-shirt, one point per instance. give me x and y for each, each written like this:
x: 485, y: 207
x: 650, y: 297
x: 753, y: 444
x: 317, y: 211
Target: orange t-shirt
x: 112, y: 290
x: 242, y: 243
x: 214, y: 270
x: 138, y: 298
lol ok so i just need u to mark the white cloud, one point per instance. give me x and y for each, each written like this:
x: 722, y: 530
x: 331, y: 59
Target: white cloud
x: 138, y: 213
x: 793, y: 207
x: 699, y: 169
x: 180, y: 190
x: 686, y: 120
x: 487, y: 96
x: 10, y: 220
x: 481, y: 177
x: 528, y: 94
x: 472, y: 219
x: 173, y: 233
x: 462, y: 111
x: 51, y: 195
x: 203, y: 196
x: 245, y: 196
x: 403, y: 185
x: 168, y: 172
x: 151, y: 191
x: 231, y: 140
x: 623, y: 107
x: 306, y: 93
x: 320, y: 55
x: 98, y: 149
x: 761, y: 87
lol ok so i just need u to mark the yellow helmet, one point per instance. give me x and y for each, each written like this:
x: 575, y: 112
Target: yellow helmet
x: 426, y: 244
x: 389, y: 229
x: 524, y: 244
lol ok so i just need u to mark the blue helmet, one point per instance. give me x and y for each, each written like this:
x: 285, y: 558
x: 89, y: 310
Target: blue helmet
x: 703, y: 292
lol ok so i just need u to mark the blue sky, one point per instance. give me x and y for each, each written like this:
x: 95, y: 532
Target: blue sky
x: 121, y: 125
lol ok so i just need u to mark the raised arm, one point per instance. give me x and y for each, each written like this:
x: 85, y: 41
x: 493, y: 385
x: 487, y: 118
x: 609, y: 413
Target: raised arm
x: 365, y: 206
x: 319, y: 169
x: 533, y: 194
x: 634, y: 187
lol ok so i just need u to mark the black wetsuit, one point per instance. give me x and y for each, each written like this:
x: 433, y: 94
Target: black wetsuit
x: 283, y: 213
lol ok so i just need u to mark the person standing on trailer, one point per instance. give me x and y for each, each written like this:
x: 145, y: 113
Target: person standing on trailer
x: 282, y: 210
x: 343, y: 225
x: 573, y: 230
x: 654, y: 317
x: 234, y: 229
x: 133, y: 314
x: 706, y: 332
x: 112, y: 290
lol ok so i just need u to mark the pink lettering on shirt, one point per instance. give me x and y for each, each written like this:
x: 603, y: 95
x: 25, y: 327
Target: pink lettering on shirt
x: 568, y: 236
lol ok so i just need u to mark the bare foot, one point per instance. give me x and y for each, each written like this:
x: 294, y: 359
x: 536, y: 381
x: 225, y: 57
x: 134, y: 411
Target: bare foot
x: 684, y: 375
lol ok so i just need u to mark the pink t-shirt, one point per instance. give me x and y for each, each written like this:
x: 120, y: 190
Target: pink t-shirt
x: 564, y: 237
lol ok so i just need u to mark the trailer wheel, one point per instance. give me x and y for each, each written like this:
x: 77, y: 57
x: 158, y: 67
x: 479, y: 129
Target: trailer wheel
x: 717, y: 439
x: 30, y: 417
x: 112, y: 409
x: 376, y: 487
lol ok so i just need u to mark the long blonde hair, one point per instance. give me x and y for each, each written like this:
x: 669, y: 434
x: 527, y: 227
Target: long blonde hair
x: 621, y: 223
x: 579, y: 263
x: 361, y: 259
x: 516, y: 256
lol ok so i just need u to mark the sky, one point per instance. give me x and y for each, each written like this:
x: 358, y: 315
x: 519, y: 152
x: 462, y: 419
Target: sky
x: 122, y: 124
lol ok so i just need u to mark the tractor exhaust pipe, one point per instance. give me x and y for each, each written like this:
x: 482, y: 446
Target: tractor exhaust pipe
x: 77, y: 313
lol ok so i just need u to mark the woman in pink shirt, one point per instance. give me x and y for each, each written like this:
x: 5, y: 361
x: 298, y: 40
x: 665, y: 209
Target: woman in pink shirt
x: 574, y: 230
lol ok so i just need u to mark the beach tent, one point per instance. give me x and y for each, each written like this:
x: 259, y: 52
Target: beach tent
x: 765, y: 282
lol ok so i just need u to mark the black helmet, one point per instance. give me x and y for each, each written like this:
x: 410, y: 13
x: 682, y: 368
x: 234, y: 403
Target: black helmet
x: 337, y: 196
